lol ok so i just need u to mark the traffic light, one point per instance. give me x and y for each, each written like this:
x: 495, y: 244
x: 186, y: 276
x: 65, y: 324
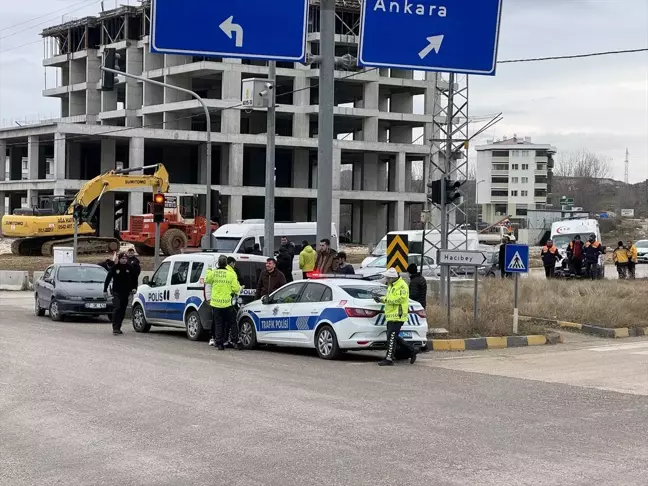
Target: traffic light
x: 434, y: 194
x: 78, y: 213
x: 216, y: 207
x: 158, y: 207
x: 451, y: 189
x: 109, y: 61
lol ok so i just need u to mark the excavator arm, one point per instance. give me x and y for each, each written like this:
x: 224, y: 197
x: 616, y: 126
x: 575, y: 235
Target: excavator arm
x: 119, y: 179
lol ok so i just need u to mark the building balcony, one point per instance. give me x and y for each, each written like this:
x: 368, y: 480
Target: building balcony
x: 500, y: 160
x: 499, y: 172
x: 500, y: 185
x: 497, y: 199
x: 538, y: 172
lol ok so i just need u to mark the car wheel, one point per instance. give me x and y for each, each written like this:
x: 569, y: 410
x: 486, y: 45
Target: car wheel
x: 55, y: 311
x: 326, y: 343
x: 40, y: 312
x: 247, y: 334
x: 194, y: 326
x: 139, y: 319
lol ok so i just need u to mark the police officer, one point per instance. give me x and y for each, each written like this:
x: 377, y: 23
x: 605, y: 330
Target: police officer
x: 224, y: 286
x: 123, y: 283
x: 396, y: 313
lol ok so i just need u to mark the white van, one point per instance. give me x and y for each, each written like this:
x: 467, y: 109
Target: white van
x: 241, y: 237
x: 563, y: 232
x: 456, y: 241
x: 175, y: 296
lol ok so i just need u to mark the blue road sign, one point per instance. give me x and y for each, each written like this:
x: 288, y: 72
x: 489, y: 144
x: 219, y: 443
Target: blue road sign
x: 431, y: 35
x: 516, y: 259
x: 254, y: 29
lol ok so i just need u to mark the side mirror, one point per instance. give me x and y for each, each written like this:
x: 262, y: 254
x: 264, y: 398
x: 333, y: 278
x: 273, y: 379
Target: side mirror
x: 146, y: 280
x: 264, y: 300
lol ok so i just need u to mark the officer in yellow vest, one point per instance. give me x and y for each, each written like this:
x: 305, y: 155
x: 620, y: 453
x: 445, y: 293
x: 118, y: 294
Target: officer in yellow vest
x: 396, y: 313
x: 224, y: 285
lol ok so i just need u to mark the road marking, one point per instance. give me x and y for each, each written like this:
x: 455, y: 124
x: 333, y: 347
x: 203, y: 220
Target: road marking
x: 618, y: 347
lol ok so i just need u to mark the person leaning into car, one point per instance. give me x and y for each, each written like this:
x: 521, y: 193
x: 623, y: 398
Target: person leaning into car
x: 123, y: 283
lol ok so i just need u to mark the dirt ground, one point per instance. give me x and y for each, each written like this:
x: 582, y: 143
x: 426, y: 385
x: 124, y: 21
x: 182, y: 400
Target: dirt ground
x: 33, y: 263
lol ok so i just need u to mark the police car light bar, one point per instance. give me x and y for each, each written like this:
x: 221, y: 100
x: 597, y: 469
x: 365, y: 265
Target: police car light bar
x: 315, y: 275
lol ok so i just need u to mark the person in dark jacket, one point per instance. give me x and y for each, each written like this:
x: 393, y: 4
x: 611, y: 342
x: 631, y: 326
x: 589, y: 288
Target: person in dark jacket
x: 550, y: 255
x: 325, y: 262
x: 257, y: 250
x: 502, y: 254
x: 342, y: 267
x: 417, y: 286
x: 121, y: 276
x: 575, y: 255
x: 591, y: 251
x: 270, y: 279
x: 284, y: 263
x: 134, y: 262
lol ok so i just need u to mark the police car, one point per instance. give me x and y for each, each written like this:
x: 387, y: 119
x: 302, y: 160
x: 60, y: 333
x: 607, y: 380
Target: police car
x: 332, y: 315
x: 175, y: 296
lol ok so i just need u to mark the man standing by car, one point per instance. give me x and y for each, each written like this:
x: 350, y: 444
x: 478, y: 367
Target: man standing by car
x: 123, y: 283
x: 224, y: 286
x: 341, y: 265
x: 634, y: 258
x: 134, y: 262
x: 284, y: 263
x: 550, y: 255
x: 575, y: 255
x: 270, y: 279
x: 591, y: 250
x: 325, y: 257
x: 306, y: 259
x: 396, y: 313
x: 417, y: 286
x: 502, y: 256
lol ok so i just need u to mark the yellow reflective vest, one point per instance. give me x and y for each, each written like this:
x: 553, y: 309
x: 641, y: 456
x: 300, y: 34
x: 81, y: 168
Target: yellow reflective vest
x: 397, y: 301
x: 224, y: 285
x: 633, y: 253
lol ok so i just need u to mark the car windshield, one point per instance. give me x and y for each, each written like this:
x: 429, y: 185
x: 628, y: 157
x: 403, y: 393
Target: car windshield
x: 226, y: 244
x: 368, y: 292
x: 88, y: 274
x: 561, y: 241
x: 642, y: 244
x: 379, y: 262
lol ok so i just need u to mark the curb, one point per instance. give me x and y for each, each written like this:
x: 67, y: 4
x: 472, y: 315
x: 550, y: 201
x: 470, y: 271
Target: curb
x: 606, y: 332
x: 474, y: 344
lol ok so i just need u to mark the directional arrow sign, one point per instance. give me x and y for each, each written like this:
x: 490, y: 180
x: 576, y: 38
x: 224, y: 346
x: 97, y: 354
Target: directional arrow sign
x: 251, y: 29
x: 430, y: 35
x: 462, y: 258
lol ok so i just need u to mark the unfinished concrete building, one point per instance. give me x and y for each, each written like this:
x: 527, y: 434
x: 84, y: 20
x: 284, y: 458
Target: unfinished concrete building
x: 383, y: 119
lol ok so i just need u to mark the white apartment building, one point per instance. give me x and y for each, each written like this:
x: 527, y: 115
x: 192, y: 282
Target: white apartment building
x: 513, y: 176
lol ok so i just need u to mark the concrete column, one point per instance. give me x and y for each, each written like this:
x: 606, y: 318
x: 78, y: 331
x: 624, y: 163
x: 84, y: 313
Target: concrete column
x: 370, y: 172
x: 370, y: 102
x: 32, y: 198
x: 400, y: 166
x: 231, y: 119
x: 301, y: 98
x: 135, y: 203
x: 382, y: 181
x: 93, y: 76
x: 235, y: 209
x: 335, y: 210
x: 32, y: 157
x: 2, y: 207
x: 337, y: 161
x: 59, y: 156
x: 301, y: 165
x: 136, y: 152
x: 3, y: 162
x: 134, y: 89
x: 235, y: 172
x: 399, y: 216
x: 107, y: 205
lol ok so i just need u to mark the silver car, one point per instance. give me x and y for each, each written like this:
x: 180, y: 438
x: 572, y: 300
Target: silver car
x: 376, y: 268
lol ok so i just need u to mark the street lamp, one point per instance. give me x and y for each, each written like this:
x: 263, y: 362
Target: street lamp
x: 477, y: 205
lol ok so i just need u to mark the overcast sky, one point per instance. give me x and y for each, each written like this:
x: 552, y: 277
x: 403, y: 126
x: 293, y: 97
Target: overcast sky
x: 599, y: 104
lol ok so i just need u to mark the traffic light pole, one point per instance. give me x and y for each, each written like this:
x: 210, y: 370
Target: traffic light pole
x: 207, y: 239
x: 75, y: 245
x: 269, y: 219
x: 156, y: 261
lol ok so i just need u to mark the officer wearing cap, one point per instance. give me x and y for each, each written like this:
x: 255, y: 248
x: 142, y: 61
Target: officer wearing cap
x: 396, y: 313
x: 123, y: 282
x: 224, y: 285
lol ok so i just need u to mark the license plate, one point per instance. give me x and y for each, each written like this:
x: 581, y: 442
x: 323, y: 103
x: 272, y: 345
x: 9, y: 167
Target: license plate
x: 96, y: 306
x: 406, y: 334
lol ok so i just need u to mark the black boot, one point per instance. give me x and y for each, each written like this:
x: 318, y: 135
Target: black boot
x: 415, y: 351
x: 386, y: 362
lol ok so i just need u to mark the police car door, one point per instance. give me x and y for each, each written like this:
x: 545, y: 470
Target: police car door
x: 155, y: 297
x: 177, y: 293
x: 274, y: 317
x: 305, y: 313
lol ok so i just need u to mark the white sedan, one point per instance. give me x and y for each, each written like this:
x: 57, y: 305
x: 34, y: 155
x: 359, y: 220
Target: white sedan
x: 332, y: 315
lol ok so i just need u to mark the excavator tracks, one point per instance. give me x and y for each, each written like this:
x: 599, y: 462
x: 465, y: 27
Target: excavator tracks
x: 42, y: 247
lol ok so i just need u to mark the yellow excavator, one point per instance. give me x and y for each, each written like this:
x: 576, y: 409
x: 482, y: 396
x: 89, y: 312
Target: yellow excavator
x: 37, y: 231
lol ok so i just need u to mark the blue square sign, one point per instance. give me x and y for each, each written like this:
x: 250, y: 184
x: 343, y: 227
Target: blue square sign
x: 516, y: 259
x: 429, y: 35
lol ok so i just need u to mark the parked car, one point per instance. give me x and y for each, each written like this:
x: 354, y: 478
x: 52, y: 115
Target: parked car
x: 642, y: 251
x: 71, y: 289
x: 376, y: 268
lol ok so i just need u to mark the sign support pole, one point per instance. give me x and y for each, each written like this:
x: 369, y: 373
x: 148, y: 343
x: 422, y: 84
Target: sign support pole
x: 515, y: 305
x: 476, y: 299
x: 269, y: 219
x: 325, y: 129
x: 446, y: 172
x: 448, y: 291
x: 156, y: 260
x: 76, y: 241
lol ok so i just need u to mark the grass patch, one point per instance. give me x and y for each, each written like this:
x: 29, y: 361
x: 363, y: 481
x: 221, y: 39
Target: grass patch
x: 605, y: 303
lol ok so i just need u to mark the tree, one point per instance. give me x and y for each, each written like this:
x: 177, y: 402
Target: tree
x: 580, y: 175
x: 582, y: 163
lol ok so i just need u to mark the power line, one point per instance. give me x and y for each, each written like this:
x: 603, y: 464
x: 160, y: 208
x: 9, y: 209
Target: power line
x: 575, y: 56
x: 20, y: 46
x: 9, y: 27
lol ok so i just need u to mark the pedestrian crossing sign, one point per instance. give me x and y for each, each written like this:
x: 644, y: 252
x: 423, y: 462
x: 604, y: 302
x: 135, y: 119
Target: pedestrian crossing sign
x: 516, y: 259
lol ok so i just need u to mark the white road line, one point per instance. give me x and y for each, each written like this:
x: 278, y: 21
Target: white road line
x: 619, y: 347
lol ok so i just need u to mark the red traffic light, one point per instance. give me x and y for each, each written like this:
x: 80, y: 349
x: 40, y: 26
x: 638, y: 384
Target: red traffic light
x: 158, y: 198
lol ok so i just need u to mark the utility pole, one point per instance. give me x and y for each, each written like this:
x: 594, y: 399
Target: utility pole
x: 269, y: 220
x: 444, y: 283
x: 207, y: 239
x: 325, y: 122
x: 627, y: 167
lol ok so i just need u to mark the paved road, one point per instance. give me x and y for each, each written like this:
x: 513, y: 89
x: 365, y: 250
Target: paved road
x: 79, y: 406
